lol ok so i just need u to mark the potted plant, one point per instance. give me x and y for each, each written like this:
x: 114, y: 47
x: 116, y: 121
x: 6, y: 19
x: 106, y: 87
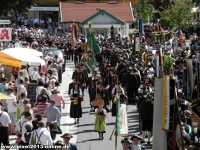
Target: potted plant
x: 167, y: 64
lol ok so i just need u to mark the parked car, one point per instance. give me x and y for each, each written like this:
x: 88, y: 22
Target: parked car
x: 54, y: 52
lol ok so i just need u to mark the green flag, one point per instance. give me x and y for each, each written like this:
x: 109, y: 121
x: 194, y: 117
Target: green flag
x: 92, y: 42
x: 90, y: 64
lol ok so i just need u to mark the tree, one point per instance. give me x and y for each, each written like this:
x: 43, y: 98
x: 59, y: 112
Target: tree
x: 144, y: 10
x: 178, y: 14
x: 12, y: 8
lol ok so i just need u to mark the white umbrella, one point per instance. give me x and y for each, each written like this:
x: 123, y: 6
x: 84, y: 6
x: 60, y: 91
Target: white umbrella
x: 20, y: 50
x: 25, y: 55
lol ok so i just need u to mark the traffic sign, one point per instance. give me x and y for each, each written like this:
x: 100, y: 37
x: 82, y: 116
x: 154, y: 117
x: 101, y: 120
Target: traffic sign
x: 5, y: 21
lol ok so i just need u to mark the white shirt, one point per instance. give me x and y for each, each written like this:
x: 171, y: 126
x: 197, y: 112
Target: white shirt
x: 21, y: 89
x: 30, y: 70
x: 10, y: 105
x: 35, y: 75
x: 45, y: 138
x: 5, y: 119
x: 20, y: 125
x: 38, y: 90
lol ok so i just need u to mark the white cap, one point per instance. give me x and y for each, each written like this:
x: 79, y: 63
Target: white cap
x: 29, y: 63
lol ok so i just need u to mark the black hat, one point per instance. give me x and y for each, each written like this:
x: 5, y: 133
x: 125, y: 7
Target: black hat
x: 52, y: 101
x: 27, y: 114
x: 125, y: 140
x: 66, y: 135
x: 60, y: 143
x: 136, y: 136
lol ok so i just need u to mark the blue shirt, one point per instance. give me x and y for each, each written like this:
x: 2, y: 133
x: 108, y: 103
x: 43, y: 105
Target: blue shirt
x: 52, y: 112
x: 3, y: 87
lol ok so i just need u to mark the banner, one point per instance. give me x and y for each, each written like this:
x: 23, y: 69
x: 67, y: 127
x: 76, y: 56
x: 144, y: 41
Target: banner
x: 122, y: 125
x: 5, y: 34
x: 190, y: 79
x: 74, y: 35
x: 166, y: 103
x: 177, y: 139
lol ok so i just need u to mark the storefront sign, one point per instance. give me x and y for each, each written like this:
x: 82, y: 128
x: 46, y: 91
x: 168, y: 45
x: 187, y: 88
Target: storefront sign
x: 166, y: 103
x: 44, y: 9
x: 5, y: 34
x: 5, y: 21
x: 122, y: 125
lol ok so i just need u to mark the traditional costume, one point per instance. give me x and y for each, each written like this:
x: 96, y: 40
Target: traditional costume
x: 75, y: 107
x: 100, y: 123
x: 118, y: 93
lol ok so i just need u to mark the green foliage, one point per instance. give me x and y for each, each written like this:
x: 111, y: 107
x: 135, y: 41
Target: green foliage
x: 178, y: 14
x: 144, y: 10
x: 164, y: 23
x: 167, y: 62
x: 10, y: 8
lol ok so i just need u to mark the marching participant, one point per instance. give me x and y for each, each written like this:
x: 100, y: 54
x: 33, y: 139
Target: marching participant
x: 75, y: 107
x: 91, y: 85
x: 110, y: 82
x: 117, y: 93
x: 135, y: 143
x: 100, y: 123
x: 103, y: 93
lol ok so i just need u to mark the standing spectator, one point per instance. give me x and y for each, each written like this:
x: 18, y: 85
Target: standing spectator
x: 52, y: 112
x: 27, y: 135
x: 35, y: 75
x: 35, y: 22
x: 58, y: 100
x: 38, y: 117
x: 11, y: 106
x: 41, y: 136
x: 6, y: 127
x: 21, y: 89
x: 42, y: 106
x: 20, y: 125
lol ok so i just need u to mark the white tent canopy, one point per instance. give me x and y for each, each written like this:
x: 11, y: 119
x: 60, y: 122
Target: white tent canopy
x: 26, y: 55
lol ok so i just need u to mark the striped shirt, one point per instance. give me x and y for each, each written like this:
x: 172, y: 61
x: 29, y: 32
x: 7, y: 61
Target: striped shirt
x: 41, y: 107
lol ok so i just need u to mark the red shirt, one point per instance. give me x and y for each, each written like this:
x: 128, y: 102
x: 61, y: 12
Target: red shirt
x: 41, y: 107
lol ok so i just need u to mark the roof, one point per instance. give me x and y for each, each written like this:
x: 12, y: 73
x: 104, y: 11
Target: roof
x: 82, y: 11
x: 102, y: 12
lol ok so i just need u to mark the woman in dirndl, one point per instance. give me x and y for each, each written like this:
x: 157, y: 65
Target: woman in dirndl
x: 76, y: 99
x: 100, y: 123
x: 117, y: 93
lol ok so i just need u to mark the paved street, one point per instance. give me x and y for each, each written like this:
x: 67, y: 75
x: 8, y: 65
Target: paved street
x: 83, y: 133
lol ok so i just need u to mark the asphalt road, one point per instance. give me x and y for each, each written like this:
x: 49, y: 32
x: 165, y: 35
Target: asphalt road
x: 83, y: 134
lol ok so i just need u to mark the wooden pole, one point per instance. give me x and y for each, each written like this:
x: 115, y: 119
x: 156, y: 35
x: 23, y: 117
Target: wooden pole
x: 116, y: 124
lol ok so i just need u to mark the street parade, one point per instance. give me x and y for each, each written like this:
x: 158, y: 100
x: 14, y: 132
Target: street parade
x: 64, y: 88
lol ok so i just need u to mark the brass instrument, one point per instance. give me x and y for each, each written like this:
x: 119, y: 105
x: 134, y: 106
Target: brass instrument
x: 117, y: 88
x: 84, y: 46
